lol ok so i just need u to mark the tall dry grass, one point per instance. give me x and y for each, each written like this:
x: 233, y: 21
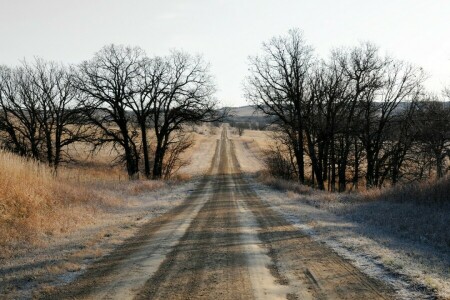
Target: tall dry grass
x: 34, y: 203
x: 430, y: 192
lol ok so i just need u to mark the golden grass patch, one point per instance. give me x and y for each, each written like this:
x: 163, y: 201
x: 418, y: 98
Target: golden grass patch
x: 34, y: 202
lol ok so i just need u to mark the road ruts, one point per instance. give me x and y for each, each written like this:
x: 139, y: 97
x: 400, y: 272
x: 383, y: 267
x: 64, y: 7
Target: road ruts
x: 123, y: 272
x: 303, y: 261
x: 208, y: 262
x: 223, y: 242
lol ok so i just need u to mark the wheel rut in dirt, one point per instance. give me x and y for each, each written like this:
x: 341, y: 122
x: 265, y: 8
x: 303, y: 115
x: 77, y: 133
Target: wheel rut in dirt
x: 313, y: 270
x: 208, y: 262
x: 223, y: 242
x: 121, y: 273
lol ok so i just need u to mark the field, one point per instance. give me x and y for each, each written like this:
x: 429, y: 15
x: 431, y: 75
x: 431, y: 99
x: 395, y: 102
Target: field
x: 73, y: 232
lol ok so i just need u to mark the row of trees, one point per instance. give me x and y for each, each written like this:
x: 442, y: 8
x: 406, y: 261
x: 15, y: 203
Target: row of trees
x: 358, y: 114
x: 116, y: 98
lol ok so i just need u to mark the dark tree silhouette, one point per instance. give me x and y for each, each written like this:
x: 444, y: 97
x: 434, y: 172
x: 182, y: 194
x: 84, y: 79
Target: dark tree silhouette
x: 186, y: 98
x: 108, y: 81
x: 278, y: 87
x: 40, y: 116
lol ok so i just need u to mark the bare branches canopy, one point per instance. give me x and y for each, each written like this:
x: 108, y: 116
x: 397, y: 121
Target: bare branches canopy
x: 40, y: 116
x: 118, y: 97
x: 357, y: 109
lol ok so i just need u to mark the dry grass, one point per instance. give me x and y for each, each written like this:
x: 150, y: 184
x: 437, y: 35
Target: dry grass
x: 427, y: 192
x: 198, y: 156
x: 258, y: 141
x: 33, y: 202
x: 52, y: 226
x: 36, y: 203
x: 88, y: 167
x: 418, y: 212
x: 285, y: 185
x: 138, y: 187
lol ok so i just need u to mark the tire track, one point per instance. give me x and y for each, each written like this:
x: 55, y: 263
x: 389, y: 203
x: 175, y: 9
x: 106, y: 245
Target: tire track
x: 120, y: 274
x: 208, y: 262
x: 313, y: 269
x: 223, y: 242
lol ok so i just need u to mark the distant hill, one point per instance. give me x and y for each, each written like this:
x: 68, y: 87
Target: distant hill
x: 247, y: 117
x: 245, y: 111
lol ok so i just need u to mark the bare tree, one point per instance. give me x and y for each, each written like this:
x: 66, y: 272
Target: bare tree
x: 20, y: 109
x: 277, y: 86
x: 399, y: 142
x: 186, y: 98
x: 399, y: 83
x: 280, y: 158
x: 61, y: 115
x: 108, y: 81
x: 151, y: 86
x: 328, y: 106
x: 173, y: 162
x: 40, y: 116
x: 343, y: 113
x: 433, y: 123
x: 361, y: 68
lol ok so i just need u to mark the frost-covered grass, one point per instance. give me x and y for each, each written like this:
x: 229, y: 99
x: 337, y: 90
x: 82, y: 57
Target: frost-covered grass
x: 400, y: 235
x: 419, y: 212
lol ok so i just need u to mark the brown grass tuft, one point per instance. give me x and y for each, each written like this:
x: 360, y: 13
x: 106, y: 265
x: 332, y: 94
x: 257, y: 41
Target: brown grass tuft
x: 139, y: 187
x: 34, y: 203
x: 285, y: 185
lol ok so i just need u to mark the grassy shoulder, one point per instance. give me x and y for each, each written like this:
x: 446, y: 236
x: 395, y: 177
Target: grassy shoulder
x: 419, y: 211
x: 53, y: 227
x: 35, y: 204
x: 389, y: 234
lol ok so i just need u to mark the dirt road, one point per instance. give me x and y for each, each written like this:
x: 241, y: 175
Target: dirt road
x: 222, y: 243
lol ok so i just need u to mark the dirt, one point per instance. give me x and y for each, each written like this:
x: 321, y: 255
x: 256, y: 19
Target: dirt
x: 223, y: 242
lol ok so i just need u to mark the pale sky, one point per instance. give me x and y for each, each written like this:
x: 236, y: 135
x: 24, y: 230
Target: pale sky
x: 226, y: 32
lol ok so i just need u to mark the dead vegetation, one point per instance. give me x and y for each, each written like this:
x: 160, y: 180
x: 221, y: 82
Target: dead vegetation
x: 419, y: 212
x: 358, y: 118
x: 34, y: 203
x: 53, y: 224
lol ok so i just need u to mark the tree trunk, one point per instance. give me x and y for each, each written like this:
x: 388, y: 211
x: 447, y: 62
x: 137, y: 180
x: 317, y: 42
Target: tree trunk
x: 132, y: 166
x: 145, y: 149
x: 439, y: 169
x: 370, y: 180
x: 48, y: 140
x: 315, y: 163
x: 158, y: 160
x: 356, y: 166
x: 333, y: 168
x: 299, y: 157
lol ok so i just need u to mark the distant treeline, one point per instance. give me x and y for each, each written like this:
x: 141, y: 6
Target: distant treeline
x: 115, y: 98
x: 358, y: 116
